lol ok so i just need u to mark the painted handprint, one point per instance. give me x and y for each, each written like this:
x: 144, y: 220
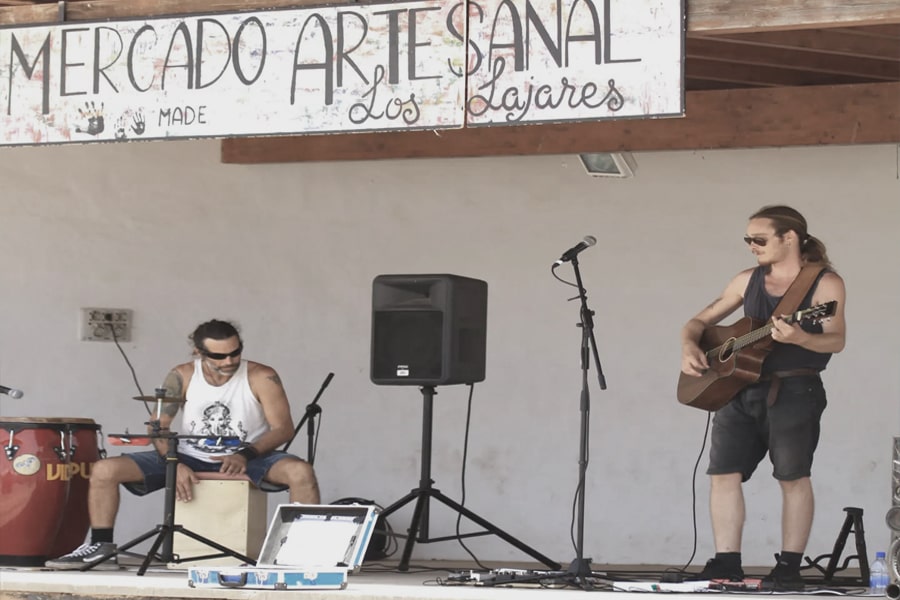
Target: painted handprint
x: 138, y: 123
x: 130, y: 120
x: 94, y: 117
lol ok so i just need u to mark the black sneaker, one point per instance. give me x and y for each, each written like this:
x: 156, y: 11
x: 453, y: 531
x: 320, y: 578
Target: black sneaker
x: 717, y: 569
x: 84, y: 555
x: 783, y: 578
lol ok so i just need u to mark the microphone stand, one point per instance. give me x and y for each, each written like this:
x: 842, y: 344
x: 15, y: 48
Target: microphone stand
x: 309, y: 417
x: 580, y: 568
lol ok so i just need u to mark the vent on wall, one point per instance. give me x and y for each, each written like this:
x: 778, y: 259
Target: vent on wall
x: 605, y: 164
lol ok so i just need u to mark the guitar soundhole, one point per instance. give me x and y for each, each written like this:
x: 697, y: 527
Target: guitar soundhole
x: 726, y: 351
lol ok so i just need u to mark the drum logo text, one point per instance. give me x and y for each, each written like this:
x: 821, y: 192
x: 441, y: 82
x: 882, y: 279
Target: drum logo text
x: 67, y: 471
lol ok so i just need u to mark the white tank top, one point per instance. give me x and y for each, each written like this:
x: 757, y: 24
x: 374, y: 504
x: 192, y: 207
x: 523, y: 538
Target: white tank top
x: 230, y: 409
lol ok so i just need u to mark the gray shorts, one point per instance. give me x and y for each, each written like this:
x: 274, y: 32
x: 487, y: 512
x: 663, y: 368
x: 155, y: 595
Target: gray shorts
x: 153, y: 466
x: 746, y: 429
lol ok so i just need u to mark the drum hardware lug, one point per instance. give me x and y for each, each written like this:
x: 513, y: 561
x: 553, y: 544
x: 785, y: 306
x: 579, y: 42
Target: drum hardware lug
x: 72, y: 448
x: 11, y: 450
x: 61, y: 449
x: 100, y: 444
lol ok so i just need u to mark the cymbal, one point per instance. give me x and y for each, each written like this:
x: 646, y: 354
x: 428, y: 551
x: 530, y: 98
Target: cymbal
x: 155, y: 399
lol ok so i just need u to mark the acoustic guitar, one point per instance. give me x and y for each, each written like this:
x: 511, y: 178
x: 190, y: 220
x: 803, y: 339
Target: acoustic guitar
x: 734, y: 361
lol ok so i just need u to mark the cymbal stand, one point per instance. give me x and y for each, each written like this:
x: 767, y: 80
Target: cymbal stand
x: 165, y: 531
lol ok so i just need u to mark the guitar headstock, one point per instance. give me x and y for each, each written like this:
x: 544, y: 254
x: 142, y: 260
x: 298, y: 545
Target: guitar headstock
x: 818, y: 313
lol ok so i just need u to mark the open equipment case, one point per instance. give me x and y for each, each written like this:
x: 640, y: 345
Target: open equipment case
x: 306, y: 546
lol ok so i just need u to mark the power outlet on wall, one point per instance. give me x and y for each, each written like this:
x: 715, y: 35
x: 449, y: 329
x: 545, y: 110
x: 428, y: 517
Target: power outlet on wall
x: 99, y: 324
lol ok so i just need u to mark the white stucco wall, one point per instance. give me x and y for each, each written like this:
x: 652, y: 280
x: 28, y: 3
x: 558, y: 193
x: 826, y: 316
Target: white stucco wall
x: 290, y: 251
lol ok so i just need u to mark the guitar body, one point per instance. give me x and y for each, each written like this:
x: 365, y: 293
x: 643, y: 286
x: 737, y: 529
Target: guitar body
x: 729, y: 372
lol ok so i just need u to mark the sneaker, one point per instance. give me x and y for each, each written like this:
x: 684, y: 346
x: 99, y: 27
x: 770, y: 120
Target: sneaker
x: 717, y: 569
x: 783, y: 578
x: 86, y: 554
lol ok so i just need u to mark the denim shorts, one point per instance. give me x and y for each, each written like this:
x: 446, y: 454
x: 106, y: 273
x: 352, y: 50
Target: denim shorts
x: 153, y: 466
x: 746, y: 429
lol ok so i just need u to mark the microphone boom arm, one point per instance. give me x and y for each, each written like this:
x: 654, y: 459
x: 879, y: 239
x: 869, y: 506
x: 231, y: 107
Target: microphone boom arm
x: 311, y: 410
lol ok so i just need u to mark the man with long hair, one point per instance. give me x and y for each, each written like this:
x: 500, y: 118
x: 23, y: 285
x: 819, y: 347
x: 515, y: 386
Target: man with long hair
x: 780, y: 414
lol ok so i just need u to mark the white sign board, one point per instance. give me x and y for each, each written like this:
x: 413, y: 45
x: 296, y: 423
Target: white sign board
x: 421, y: 64
x: 564, y: 60
x: 326, y: 69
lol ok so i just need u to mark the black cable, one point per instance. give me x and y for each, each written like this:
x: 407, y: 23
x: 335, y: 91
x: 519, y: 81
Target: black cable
x: 112, y: 329
x: 694, y: 490
x: 558, y: 278
x: 463, y: 477
x: 694, y: 495
x: 578, y: 491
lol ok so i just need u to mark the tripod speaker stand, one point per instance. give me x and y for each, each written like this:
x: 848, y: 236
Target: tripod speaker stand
x: 165, y: 531
x: 418, y: 528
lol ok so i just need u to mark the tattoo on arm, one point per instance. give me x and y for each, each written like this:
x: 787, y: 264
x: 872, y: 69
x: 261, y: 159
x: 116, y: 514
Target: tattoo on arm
x: 174, y: 385
x: 276, y: 379
x: 714, y: 302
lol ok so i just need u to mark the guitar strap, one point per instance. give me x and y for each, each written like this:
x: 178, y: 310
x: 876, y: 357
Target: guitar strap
x: 792, y: 298
x: 795, y: 294
x: 789, y: 303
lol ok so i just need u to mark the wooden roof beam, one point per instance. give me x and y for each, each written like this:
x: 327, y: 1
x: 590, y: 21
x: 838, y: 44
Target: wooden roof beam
x: 797, y: 116
x: 708, y: 16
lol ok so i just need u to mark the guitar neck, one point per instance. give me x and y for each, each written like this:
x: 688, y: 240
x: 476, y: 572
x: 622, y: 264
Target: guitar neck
x: 745, y: 340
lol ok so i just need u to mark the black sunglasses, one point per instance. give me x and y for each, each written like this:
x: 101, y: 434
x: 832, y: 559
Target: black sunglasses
x: 755, y: 240
x: 222, y: 355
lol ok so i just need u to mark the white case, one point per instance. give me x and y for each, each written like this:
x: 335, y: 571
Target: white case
x: 306, y: 546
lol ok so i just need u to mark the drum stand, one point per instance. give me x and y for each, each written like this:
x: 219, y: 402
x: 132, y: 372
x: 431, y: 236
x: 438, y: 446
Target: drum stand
x: 165, y: 531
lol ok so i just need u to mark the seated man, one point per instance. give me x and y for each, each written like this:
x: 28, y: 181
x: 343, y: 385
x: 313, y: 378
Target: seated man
x: 223, y: 396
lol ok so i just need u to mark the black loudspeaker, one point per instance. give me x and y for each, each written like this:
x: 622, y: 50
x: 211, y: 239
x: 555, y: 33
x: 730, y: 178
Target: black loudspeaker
x: 428, y: 329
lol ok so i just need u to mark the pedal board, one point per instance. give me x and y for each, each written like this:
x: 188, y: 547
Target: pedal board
x: 502, y: 576
x: 745, y: 585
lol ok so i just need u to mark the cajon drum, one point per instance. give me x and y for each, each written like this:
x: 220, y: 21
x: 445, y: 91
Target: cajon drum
x: 226, y: 509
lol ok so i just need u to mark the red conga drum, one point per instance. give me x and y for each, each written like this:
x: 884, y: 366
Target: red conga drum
x: 83, y: 443
x: 34, y: 487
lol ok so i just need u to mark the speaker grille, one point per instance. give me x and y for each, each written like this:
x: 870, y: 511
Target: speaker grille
x: 407, y: 345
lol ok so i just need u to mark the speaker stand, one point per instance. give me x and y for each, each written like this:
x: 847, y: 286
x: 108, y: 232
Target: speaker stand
x: 418, y: 528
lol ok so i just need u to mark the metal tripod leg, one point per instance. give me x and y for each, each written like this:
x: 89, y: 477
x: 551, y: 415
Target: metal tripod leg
x: 165, y: 531
x: 418, y: 528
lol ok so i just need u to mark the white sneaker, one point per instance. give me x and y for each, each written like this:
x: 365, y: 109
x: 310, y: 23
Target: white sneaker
x: 87, y: 554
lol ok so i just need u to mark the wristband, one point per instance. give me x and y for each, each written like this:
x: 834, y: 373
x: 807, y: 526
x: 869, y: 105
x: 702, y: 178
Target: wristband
x: 248, y: 452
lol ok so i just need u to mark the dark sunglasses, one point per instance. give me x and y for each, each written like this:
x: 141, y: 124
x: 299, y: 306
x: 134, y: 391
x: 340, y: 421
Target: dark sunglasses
x: 222, y: 355
x: 755, y: 240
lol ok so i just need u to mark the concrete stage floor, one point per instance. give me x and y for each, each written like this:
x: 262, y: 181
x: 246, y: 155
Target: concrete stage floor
x: 425, y: 580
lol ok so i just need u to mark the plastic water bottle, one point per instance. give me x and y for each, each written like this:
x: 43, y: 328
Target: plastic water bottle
x: 878, y: 576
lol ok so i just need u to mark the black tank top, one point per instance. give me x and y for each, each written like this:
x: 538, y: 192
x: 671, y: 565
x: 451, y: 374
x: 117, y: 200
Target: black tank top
x: 759, y: 305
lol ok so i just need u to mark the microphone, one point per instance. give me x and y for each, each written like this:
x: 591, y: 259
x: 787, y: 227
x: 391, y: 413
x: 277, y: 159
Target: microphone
x: 572, y: 252
x: 12, y: 393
